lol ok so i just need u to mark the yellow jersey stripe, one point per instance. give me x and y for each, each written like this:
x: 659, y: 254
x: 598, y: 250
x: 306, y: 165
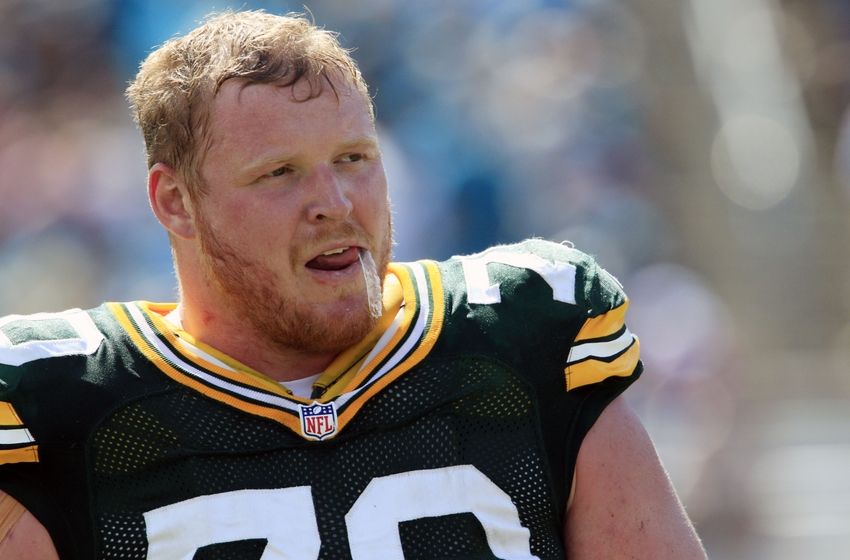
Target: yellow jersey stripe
x: 592, y: 371
x: 19, y: 455
x: 406, y: 333
x: 603, y: 348
x: 8, y: 416
x: 603, y: 325
x: 343, y: 368
x: 235, y: 384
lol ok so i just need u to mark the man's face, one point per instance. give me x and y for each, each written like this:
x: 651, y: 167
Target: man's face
x: 294, y: 225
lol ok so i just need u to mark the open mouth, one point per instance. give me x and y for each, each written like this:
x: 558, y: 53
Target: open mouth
x: 335, y: 259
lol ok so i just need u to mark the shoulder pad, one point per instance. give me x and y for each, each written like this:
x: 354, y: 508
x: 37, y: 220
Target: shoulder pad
x: 573, y: 276
x: 26, y: 338
x: 596, y: 303
x: 31, y: 352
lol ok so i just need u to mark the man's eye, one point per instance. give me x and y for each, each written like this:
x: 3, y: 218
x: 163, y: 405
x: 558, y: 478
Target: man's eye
x: 278, y: 172
x: 351, y: 158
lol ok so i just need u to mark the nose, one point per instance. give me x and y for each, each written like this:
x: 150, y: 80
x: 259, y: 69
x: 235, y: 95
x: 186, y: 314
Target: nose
x: 328, y: 197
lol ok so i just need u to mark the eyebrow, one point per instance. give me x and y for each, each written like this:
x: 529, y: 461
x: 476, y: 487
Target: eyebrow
x: 365, y: 141
x: 370, y: 141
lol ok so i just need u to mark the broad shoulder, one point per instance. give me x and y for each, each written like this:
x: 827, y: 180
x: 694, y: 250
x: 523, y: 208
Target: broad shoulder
x: 27, y: 338
x: 568, y: 275
x: 539, y: 301
x: 75, y: 364
x: 41, y: 346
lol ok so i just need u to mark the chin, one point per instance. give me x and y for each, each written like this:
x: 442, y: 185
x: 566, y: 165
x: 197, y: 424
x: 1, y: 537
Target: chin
x: 324, y: 327
x: 335, y: 334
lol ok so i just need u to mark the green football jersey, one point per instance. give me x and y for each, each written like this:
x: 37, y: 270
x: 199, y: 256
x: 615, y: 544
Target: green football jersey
x: 452, y: 432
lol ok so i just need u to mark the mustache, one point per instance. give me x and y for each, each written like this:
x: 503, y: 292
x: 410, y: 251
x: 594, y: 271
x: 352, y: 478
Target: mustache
x: 335, y: 232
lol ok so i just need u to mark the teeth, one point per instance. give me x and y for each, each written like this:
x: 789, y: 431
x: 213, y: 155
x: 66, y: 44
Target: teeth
x: 335, y: 251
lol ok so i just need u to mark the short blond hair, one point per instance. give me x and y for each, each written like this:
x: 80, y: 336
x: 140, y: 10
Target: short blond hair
x: 175, y: 86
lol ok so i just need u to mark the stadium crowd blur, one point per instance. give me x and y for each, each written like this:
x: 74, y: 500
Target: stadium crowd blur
x: 699, y: 149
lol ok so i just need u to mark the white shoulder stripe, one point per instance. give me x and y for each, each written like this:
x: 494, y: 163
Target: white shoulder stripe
x: 600, y: 350
x: 15, y: 437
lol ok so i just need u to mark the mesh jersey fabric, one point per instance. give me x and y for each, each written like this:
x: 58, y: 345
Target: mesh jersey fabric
x: 116, y: 443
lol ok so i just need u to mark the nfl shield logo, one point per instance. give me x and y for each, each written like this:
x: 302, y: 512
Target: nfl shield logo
x: 318, y: 421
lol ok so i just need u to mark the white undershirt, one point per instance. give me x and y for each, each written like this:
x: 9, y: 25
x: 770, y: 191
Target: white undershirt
x: 300, y: 387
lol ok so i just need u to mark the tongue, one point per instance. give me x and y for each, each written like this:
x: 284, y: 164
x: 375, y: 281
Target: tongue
x: 335, y: 262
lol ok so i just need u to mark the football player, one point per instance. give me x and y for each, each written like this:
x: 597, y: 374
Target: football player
x: 307, y: 398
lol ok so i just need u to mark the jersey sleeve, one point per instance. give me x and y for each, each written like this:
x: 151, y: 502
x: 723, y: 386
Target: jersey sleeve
x: 18, y: 337
x: 567, y: 307
x: 604, y: 357
x: 559, y: 320
x: 42, y: 363
x: 604, y: 346
x: 22, y: 474
x: 33, y: 354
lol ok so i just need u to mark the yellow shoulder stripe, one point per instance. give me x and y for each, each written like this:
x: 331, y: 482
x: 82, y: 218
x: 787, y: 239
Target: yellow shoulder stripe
x: 603, y: 348
x: 8, y: 416
x: 13, y: 435
x: 605, y: 324
x: 20, y: 455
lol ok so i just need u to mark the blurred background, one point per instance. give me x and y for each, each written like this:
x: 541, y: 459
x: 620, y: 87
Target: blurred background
x: 700, y: 149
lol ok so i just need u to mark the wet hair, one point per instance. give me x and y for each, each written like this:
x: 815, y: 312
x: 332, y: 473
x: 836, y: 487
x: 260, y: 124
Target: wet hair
x: 172, y: 93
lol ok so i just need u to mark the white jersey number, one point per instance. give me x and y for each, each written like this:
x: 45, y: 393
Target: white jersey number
x: 177, y: 531
x: 560, y: 276
x: 24, y: 338
x: 286, y: 517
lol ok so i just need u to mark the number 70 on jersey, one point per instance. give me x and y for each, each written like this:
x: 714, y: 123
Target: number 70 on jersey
x: 286, y: 519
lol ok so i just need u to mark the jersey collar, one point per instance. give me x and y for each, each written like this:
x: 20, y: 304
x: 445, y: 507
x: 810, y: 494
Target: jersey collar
x: 414, y: 310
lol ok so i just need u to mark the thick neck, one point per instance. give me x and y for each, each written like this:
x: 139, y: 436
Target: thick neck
x: 206, y: 315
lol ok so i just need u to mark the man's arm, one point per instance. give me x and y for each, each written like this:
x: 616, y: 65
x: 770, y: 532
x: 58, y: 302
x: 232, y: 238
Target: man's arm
x: 624, y: 505
x: 22, y: 537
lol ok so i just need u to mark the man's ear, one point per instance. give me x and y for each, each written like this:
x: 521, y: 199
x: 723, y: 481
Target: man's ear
x: 170, y: 201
